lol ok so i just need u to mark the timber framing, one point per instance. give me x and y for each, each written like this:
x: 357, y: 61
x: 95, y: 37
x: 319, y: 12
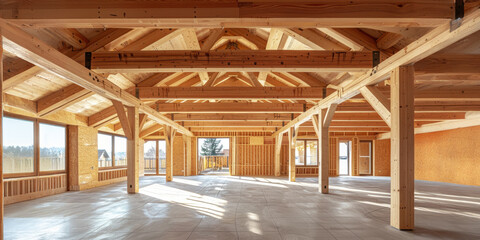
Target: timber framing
x: 227, y: 14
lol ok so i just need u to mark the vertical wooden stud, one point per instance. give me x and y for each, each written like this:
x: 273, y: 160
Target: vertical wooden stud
x: 402, y: 148
x: 188, y: 154
x: 278, y: 148
x: 133, y: 144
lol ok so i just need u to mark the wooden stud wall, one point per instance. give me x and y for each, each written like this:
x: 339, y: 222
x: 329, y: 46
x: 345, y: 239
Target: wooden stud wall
x: 111, y: 174
x: 27, y: 188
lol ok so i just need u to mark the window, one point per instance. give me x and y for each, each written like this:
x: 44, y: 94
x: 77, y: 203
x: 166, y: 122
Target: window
x: 112, y: 150
x: 18, y: 142
x: 154, y: 157
x: 52, y: 147
x: 306, y: 153
x: 120, y: 151
x: 32, y: 147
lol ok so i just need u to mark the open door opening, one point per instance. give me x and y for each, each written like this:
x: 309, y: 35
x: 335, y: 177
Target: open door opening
x: 344, y: 158
x: 213, y: 156
x: 154, y: 157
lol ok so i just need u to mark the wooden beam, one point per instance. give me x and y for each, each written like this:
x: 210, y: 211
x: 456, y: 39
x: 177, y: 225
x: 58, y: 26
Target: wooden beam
x: 430, y: 43
x: 314, y: 39
x: 227, y: 14
x: 102, y: 117
x: 388, y: 40
x: 147, y: 132
x: 378, y: 101
x: 254, y: 80
x: 402, y: 149
x: 235, y: 124
x: 70, y: 36
x: 278, y: 151
x: 142, y: 120
x: 449, y: 63
x: 157, y: 36
x: 231, y: 60
x: 354, y: 38
x: 124, y: 120
x: 34, y: 50
x: 133, y: 159
x: 213, y: 37
x: 20, y: 103
x: 228, y: 93
x: 222, y: 107
x: 328, y: 116
x: 233, y: 117
x: 292, y: 142
x: 169, y: 134
x: 61, y: 99
x: 211, y: 80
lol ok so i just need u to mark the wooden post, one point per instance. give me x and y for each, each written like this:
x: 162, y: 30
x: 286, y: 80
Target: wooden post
x: 402, y: 148
x: 278, y: 150
x: 321, y: 122
x: 292, y: 141
x: 1, y: 134
x: 133, y: 151
x: 233, y: 151
x: 169, y: 135
x: 188, y: 155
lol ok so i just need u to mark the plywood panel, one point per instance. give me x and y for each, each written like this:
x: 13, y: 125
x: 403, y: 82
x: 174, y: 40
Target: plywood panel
x: 382, y: 158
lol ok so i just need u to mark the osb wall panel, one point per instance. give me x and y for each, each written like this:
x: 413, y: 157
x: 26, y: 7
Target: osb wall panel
x: 22, y: 189
x: 87, y: 157
x: 254, y: 160
x: 451, y: 156
x: 382, y: 158
x: 178, y: 156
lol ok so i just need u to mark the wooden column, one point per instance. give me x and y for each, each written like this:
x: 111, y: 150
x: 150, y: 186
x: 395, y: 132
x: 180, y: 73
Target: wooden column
x: 278, y: 150
x: 321, y: 122
x: 1, y: 134
x: 292, y: 141
x: 402, y: 148
x: 133, y: 144
x: 169, y: 135
x: 233, y: 153
x: 188, y: 155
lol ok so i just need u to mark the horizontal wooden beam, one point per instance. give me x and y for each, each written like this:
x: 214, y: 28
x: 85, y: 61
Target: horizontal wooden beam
x: 230, y: 107
x: 180, y: 117
x: 230, y: 13
x: 449, y: 63
x: 35, y: 51
x: 231, y: 60
x: 418, y: 116
x: 228, y: 93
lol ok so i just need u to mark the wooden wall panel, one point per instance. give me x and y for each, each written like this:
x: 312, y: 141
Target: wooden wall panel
x: 105, y: 175
x: 381, y: 158
x: 27, y: 188
x: 355, y: 156
x: 333, y: 171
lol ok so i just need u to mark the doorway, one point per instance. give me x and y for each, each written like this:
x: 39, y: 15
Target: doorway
x: 154, y: 157
x: 365, y: 160
x: 213, y: 156
x: 344, y: 158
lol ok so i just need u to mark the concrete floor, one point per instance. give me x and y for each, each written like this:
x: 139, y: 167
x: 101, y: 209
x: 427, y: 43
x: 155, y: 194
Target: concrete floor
x: 223, y: 207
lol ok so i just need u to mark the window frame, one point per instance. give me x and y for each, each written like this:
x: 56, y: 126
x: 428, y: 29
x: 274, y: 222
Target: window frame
x: 113, y: 135
x: 36, y: 147
x: 305, y: 153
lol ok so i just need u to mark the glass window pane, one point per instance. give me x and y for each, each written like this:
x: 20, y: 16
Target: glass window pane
x: 312, y: 153
x: 17, y: 146
x: 162, y: 156
x: 300, y: 153
x: 149, y: 157
x: 120, y: 151
x: 52, y: 147
x: 104, y: 150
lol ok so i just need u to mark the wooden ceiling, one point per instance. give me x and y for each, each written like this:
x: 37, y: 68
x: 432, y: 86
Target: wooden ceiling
x: 207, y: 71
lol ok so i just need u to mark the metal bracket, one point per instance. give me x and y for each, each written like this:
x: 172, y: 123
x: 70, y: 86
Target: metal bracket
x: 137, y: 93
x: 324, y: 92
x: 375, y: 58
x: 459, y: 9
x: 304, y: 107
x: 88, y: 60
x: 173, y: 117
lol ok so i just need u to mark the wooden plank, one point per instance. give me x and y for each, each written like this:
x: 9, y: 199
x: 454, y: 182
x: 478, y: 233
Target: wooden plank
x: 71, y: 36
x: 107, y: 14
x: 34, y: 50
x: 102, y: 117
x: 228, y: 93
x: 232, y: 117
x: 388, y: 40
x: 449, y: 63
x: 213, y: 37
x: 402, y: 149
x: 378, y: 101
x: 314, y: 39
x: 133, y: 151
x: 430, y: 43
x: 231, y: 60
x: 147, y: 132
x: 20, y: 103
